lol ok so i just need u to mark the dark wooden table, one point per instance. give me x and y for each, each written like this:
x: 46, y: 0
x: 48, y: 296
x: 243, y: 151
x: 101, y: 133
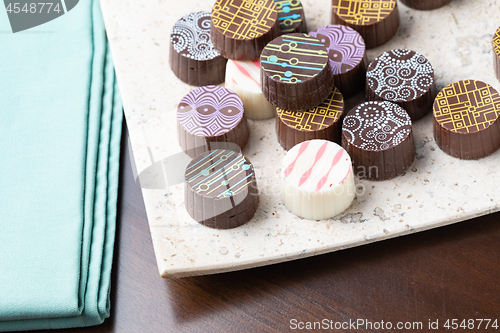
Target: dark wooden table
x: 451, y: 272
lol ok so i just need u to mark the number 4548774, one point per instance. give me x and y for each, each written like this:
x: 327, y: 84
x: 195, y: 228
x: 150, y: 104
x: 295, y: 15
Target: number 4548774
x: 33, y: 8
x: 471, y: 324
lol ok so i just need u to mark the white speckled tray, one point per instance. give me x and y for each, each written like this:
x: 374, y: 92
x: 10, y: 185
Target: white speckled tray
x: 436, y: 191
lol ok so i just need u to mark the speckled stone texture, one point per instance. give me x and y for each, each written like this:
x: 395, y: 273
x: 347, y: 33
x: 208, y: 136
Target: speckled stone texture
x: 435, y: 191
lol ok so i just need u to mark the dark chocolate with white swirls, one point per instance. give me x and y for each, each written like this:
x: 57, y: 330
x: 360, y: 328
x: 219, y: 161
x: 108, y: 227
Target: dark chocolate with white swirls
x: 400, y: 75
x: 192, y: 56
x: 378, y: 136
x: 191, y: 37
x: 376, y: 126
x: 221, y: 189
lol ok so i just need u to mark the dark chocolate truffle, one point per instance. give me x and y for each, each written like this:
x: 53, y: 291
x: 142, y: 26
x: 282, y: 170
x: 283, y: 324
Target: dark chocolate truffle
x: 404, y: 77
x: 378, y: 136
x: 425, y: 4
x: 346, y: 51
x: 377, y: 21
x: 192, y: 57
x: 221, y: 189
x: 466, y: 119
x: 291, y: 16
x: 496, y: 53
x: 295, y: 72
x: 241, y: 28
x: 211, y: 117
x: 321, y: 122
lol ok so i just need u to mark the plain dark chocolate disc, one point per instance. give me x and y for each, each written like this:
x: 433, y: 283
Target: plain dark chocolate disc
x: 192, y: 57
x: 296, y: 74
x: 466, y: 119
x: 346, y: 52
x: 241, y: 28
x: 404, y: 77
x: 209, y: 117
x: 221, y: 189
x: 321, y: 122
x: 378, y: 137
x: 377, y: 21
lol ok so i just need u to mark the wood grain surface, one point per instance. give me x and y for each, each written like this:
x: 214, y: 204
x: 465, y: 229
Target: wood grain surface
x: 451, y: 272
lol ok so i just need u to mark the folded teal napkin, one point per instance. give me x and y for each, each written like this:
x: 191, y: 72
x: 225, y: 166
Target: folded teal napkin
x: 60, y: 129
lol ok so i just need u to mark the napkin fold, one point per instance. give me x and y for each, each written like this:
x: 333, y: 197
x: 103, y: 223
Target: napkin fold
x: 60, y: 130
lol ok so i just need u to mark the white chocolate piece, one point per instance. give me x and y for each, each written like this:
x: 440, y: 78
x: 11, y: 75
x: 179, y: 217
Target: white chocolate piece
x: 316, y: 180
x: 243, y: 77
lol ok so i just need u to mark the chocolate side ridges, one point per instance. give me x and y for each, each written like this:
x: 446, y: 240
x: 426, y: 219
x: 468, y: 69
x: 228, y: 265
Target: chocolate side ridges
x: 346, y: 52
x: 496, y: 53
x: 378, y: 137
x: 425, y: 4
x: 317, y: 180
x: 377, y: 21
x: 221, y: 189
x: 192, y: 57
x: 321, y: 122
x: 241, y: 28
x: 291, y: 16
x: 404, y: 77
x: 466, y: 122
x: 209, y: 117
x: 295, y: 72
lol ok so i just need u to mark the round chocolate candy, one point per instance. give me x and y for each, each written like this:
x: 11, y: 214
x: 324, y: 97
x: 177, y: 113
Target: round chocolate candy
x: 291, y: 16
x: 377, y: 21
x: 466, y: 119
x: 425, y: 4
x: 346, y: 51
x: 192, y: 57
x: 243, y: 77
x: 211, y: 117
x: 317, y: 180
x: 321, y: 122
x: 295, y: 72
x: 241, y: 28
x: 378, y: 136
x: 496, y: 53
x: 221, y: 189
x: 404, y: 77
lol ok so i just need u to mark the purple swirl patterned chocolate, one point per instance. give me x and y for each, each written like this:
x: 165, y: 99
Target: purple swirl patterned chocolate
x: 211, y: 117
x: 347, y: 56
x: 210, y: 111
x: 345, y: 46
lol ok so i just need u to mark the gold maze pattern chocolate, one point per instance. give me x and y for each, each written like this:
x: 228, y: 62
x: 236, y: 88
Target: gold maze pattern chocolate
x: 317, y: 118
x: 363, y: 12
x: 294, y: 58
x: 244, y: 19
x: 467, y: 106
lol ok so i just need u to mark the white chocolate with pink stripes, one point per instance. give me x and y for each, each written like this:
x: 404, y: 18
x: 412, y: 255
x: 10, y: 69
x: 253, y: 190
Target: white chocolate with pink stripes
x: 317, y: 180
x: 243, y: 77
